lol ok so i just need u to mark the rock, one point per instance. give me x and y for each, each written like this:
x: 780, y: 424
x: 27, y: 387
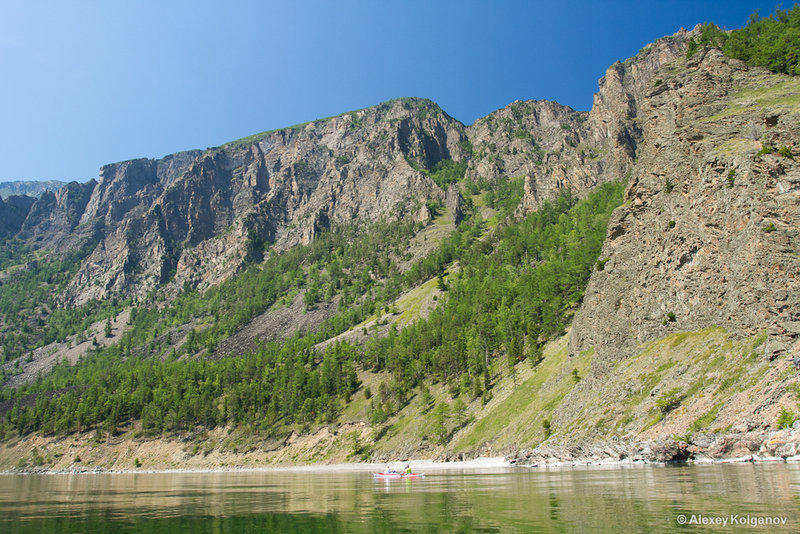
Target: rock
x: 188, y: 217
x: 13, y: 211
x: 54, y: 217
x: 713, y: 264
x: 453, y: 202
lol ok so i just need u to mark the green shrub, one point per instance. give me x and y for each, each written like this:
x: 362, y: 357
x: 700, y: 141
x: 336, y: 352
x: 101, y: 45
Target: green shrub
x: 669, y: 400
x: 770, y: 42
x: 766, y: 149
x: 547, y: 427
x: 769, y: 228
x: 434, y: 206
x: 730, y: 178
x: 671, y: 224
x: 785, y: 151
x: 447, y: 172
x: 786, y: 418
x: 691, y: 48
x: 668, y: 185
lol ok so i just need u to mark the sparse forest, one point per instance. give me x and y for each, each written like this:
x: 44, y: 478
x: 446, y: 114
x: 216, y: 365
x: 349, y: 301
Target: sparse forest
x: 511, y: 291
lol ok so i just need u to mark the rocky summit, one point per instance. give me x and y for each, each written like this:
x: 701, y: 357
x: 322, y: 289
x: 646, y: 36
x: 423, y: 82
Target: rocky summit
x: 394, y: 283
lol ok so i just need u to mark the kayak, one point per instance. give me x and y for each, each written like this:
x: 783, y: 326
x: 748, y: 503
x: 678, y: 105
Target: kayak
x: 398, y: 475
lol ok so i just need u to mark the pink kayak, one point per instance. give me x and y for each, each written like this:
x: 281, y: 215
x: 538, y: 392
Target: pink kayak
x: 398, y: 475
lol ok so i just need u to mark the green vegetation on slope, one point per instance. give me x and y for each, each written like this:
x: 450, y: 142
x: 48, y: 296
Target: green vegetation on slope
x: 447, y: 172
x: 28, y: 300
x: 772, y: 42
x: 514, y: 290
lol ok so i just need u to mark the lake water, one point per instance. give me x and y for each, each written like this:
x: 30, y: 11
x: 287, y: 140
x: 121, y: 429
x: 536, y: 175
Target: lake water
x: 623, y: 499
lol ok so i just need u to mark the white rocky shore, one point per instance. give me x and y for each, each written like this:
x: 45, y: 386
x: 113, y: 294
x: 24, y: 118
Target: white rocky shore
x: 418, y: 466
x: 753, y: 446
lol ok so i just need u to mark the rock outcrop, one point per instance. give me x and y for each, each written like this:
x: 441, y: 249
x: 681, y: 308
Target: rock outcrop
x: 13, y: 211
x: 555, y: 147
x: 54, y: 217
x: 708, y: 233
x: 196, y: 217
x: 753, y: 446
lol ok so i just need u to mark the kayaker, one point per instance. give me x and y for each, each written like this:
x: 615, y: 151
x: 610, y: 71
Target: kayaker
x: 408, y: 469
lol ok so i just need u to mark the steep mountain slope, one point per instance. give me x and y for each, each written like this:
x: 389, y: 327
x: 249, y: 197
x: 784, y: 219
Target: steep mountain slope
x: 709, y: 232
x: 194, y: 217
x: 555, y: 147
x: 13, y: 211
x: 348, y: 228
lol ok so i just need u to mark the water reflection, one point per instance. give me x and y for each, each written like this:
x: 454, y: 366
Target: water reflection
x: 615, y: 499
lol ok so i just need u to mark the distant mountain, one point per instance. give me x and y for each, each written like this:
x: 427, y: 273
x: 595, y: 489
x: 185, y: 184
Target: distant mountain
x: 30, y: 188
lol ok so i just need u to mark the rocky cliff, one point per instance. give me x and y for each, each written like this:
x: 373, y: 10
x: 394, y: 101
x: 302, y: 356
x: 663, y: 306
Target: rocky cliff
x: 555, y: 147
x: 196, y: 217
x: 13, y: 211
x: 708, y: 234
x: 53, y: 219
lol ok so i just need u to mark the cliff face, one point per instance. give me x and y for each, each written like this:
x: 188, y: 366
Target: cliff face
x: 708, y: 234
x: 54, y: 217
x: 535, y: 140
x: 194, y: 217
x: 13, y: 211
x: 555, y: 147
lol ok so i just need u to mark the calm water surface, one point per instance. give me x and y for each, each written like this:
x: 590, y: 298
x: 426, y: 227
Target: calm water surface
x: 618, y: 499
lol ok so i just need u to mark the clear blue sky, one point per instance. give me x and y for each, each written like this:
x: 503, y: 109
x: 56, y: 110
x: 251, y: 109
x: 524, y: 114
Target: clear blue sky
x: 89, y: 83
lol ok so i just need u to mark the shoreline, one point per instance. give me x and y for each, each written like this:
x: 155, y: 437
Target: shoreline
x: 486, y: 463
x: 82, y: 455
x: 423, y: 466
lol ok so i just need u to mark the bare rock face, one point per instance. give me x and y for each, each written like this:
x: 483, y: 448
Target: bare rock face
x: 613, y: 126
x: 708, y: 234
x: 13, y: 211
x: 453, y: 201
x: 195, y: 217
x: 555, y: 147
x: 127, y: 184
x: 536, y: 140
x: 54, y: 216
